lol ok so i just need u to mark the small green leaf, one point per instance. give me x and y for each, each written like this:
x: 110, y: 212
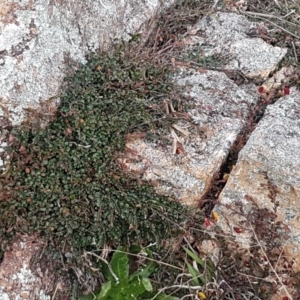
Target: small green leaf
x: 146, y: 271
x: 195, y: 274
x: 194, y: 257
x: 166, y: 297
x: 87, y: 297
x: 135, y: 286
x: 106, y: 287
x: 147, y: 284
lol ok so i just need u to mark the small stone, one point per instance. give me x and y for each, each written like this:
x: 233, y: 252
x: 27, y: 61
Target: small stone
x: 25, y: 294
x: 18, y: 253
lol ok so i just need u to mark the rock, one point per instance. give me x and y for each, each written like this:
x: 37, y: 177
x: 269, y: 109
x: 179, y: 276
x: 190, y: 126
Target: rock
x: 17, y: 280
x: 275, y: 82
x: 228, y: 36
x: 24, y: 275
x: 259, y: 203
x: 210, y: 249
x: 39, y: 41
x: 265, y: 182
x: 25, y: 294
x: 220, y: 109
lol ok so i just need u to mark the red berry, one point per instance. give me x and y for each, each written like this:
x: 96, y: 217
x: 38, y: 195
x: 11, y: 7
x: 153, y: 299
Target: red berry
x: 238, y: 230
x: 206, y: 222
x: 261, y: 89
x: 286, y: 90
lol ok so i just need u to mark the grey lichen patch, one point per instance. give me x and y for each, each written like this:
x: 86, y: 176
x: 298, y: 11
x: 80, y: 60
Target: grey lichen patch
x: 291, y: 213
x: 266, y: 177
x: 3, y: 295
x: 217, y: 97
x: 276, y: 141
x: 228, y: 35
x: 24, y: 276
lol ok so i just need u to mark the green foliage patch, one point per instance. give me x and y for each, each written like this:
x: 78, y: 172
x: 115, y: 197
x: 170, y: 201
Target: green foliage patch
x: 63, y: 182
x: 125, y: 285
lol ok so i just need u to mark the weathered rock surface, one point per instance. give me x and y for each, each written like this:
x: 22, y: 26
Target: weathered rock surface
x: 267, y: 178
x: 16, y: 278
x: 228, y: 36
x: 38, y: 39
x: 221, y: 108
x: 262, y: 192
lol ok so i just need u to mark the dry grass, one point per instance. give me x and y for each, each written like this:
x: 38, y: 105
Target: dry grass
x: 283, y: 19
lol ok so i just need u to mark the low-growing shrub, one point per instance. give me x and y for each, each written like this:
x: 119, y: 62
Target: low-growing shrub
x: 63, y: 182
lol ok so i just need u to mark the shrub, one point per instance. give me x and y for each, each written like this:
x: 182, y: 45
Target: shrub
x: 63, y: 182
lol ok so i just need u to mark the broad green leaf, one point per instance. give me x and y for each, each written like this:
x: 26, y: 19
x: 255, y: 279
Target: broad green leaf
x: 105, y: 289
x: 135, y: 286
x: 119, y: 292
x: 120, y: 265
x: 161, y: 296
x: 105, y: 271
